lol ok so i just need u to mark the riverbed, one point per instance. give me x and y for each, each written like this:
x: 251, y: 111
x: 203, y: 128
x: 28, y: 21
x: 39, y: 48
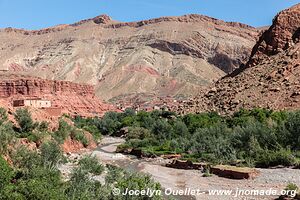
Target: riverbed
x: 177, y: 179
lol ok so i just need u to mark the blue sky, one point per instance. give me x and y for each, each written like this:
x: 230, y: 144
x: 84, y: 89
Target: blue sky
x: 36, y: 14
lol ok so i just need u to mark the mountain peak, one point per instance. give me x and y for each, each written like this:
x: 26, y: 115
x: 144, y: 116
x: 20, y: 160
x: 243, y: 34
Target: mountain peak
x: 102, y: 19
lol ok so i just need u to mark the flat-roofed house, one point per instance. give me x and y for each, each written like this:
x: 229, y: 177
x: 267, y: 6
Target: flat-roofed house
x: 35, y: 103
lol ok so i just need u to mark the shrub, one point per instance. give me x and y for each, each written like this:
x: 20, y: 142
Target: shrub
x: 51, y: 154
x: 24, y: 120
x: 63, y: 131
x: 293, y: 126
x: 274, y: 158
x: 118, y: 178
x: 79, y: 136
x: 6, y: 173
x: 162, y: 129
x: 40, y: 183
x: 180, y: 129
x: 25, y: 159
x: 203, y: 120
x: 3, y: 116
x: 6, y: 136
x: 134, y: 181
x: 214, y: 142
x: 109, y: 124
x: 80, y: 186
x: 43, y: 126
x: 138, y: 133
x: 91, y: 165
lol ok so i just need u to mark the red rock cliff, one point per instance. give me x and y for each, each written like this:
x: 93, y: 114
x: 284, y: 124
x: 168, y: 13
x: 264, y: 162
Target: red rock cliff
x: 29, y: 86
x: 72, y: 98
x: 283, y: 33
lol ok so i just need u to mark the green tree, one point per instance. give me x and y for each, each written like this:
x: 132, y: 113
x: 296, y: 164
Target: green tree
x: 138, y: 133
x: 24, y: 120
x: 293, y: 126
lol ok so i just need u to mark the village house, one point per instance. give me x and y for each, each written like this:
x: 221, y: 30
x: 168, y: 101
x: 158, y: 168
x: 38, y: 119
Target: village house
x: 35, y: 103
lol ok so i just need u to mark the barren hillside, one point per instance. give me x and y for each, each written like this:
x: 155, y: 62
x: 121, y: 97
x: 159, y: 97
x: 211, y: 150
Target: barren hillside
x: 163, y: 56
x: 271, y: 77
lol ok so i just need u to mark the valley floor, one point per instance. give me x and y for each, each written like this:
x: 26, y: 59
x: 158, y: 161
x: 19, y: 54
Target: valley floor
x: 177, y: 179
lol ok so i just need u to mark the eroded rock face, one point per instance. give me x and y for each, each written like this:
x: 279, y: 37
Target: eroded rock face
x: 29, y: 86
x: 70, y: 98
x: 168, y: 56
x: 269, y: 80
x: 283, y: 33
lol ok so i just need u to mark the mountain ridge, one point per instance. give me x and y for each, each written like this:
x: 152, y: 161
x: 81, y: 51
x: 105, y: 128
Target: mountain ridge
x: 169, y: 56
x: 270, y: 79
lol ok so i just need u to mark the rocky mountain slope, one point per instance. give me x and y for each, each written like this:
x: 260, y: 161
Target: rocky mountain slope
x: 270, y: 79
x: 163, y: 56
x: 66, y: 97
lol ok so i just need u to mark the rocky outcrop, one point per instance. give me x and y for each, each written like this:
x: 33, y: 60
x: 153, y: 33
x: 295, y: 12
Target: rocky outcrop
x: 231, y: 172
x: 176, y: 48
x: 192, y: 18
x: 269, y: 80
x: 284, y: 32
x: 35, y: 87
x: 168, y: 56
x: 186, y: 164
x: 101, y: 19
x: 69, y: 98
x: 234, y: 172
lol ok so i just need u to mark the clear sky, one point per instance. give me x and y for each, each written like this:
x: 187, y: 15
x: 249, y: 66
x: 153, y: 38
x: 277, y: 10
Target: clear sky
x: 36, y: 14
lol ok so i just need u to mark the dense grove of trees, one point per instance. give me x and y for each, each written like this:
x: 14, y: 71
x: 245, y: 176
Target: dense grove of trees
x: 27, y: 174
x: 257, y: 137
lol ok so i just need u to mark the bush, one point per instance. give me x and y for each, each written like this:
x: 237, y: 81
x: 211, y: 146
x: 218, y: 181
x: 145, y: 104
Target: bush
x: 91, y: 165
x: 6, y: 136
x: 79, y: 136
x: 134, y: 181
x: 118, y: 178
x: 80, y: 186
x: 24, y: 120
x: 293, y: 126
x: 138, y: 133
x: 3, y: 116
x: 6, y: 173
x: 269, y: 158
x: 25, y: 159
x: 63, y: 131
x: 51, y: 154
x: 203, y: 120
x: 162, y: 129
x: 40, y: 183
x: 109, y: 124
x: 180, y: 129
x: 214, y: 143
x: 43, y: 126
x: 93, y: 130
